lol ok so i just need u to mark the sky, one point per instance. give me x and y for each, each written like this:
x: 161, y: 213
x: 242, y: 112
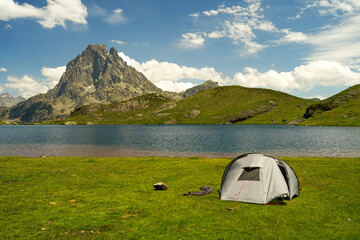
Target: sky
x: 304, y: 48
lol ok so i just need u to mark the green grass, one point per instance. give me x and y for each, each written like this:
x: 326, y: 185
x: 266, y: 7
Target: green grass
x: 114, y: 199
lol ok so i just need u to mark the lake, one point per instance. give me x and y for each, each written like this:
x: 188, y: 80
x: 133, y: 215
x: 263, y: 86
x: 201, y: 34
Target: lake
x: 178, y: 140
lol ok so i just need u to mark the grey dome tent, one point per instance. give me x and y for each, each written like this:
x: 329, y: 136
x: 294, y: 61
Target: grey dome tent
x: 258, y: 178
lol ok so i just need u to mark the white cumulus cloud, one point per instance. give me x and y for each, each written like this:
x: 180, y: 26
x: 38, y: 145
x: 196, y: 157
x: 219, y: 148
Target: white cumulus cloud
x: 321, y: 97
x: 303, y: 78
x: 164, y: 71
x: 192, y: 40
x: 325, y: 73
x: 297, y: 37
x: 117, y: 16
x: 2, y: 69
x: 251, y: 77
x: 55, y: 13
x: 211, y: 13
x: 52, y: 75
x: 171, y: 76
x: 174, y: 86
x: 118, y: 42
x: 195, y: 15
x: 27, y: 86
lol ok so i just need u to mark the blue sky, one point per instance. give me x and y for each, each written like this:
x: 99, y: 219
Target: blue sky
x: 305, y: 48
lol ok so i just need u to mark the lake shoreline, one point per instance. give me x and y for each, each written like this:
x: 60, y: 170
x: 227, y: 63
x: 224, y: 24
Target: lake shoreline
x: 48, y: 150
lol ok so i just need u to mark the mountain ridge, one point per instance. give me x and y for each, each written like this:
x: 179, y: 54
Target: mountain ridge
x: 220, y: 105
x: 7, y: 100
x: 94, y: 76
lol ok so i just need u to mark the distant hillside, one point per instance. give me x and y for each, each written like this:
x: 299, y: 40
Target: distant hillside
x: 342, y: 109
x: 209, y: 84
x: 221, y: 105
x: 7, y: 100
x: 240, y: 105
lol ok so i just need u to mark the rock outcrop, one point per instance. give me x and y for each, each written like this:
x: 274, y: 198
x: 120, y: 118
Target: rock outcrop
x: 205, y: 86
x: 209, y: 84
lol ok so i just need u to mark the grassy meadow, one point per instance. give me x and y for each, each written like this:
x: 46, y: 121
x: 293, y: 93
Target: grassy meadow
x: 113, y: 198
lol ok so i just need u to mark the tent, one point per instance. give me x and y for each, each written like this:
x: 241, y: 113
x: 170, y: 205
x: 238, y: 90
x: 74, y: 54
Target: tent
x: 258, y: 178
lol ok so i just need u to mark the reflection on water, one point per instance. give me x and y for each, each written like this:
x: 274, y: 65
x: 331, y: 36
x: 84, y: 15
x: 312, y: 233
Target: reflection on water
x: 179, y: 140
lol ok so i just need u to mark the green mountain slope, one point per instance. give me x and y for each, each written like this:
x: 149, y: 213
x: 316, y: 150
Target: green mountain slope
x: 342, y: 109
x: 235, y: 104
x: 139, y: 110
x: 221, y: 105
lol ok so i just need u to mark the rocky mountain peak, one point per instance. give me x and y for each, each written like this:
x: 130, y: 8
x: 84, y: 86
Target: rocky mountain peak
x: 211, y: 83
x: 96, y: 48
x: 94, y: 76
x: 86, y: 72
x: 7, y: 100
x: 113, y: 51
x: 114, y: 58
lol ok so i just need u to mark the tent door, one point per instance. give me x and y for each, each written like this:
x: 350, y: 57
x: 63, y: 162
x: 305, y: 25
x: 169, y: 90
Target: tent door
x: 285, y: 174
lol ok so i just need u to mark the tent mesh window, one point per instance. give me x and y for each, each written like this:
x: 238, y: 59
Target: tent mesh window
x: 250, y: 174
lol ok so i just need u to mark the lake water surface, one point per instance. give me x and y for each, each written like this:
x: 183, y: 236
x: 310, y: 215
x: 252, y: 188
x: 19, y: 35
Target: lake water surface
x: 178, y: 140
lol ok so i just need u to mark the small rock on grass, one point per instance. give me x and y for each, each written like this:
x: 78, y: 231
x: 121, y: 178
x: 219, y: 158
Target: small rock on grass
x: 161, y: 186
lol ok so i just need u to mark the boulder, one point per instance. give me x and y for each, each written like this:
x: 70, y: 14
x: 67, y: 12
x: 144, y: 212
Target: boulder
x: 166, y: 106
x: 162, y: 114
x: 192, y: 113
x: 272, y: 103
x: 170, y: 122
